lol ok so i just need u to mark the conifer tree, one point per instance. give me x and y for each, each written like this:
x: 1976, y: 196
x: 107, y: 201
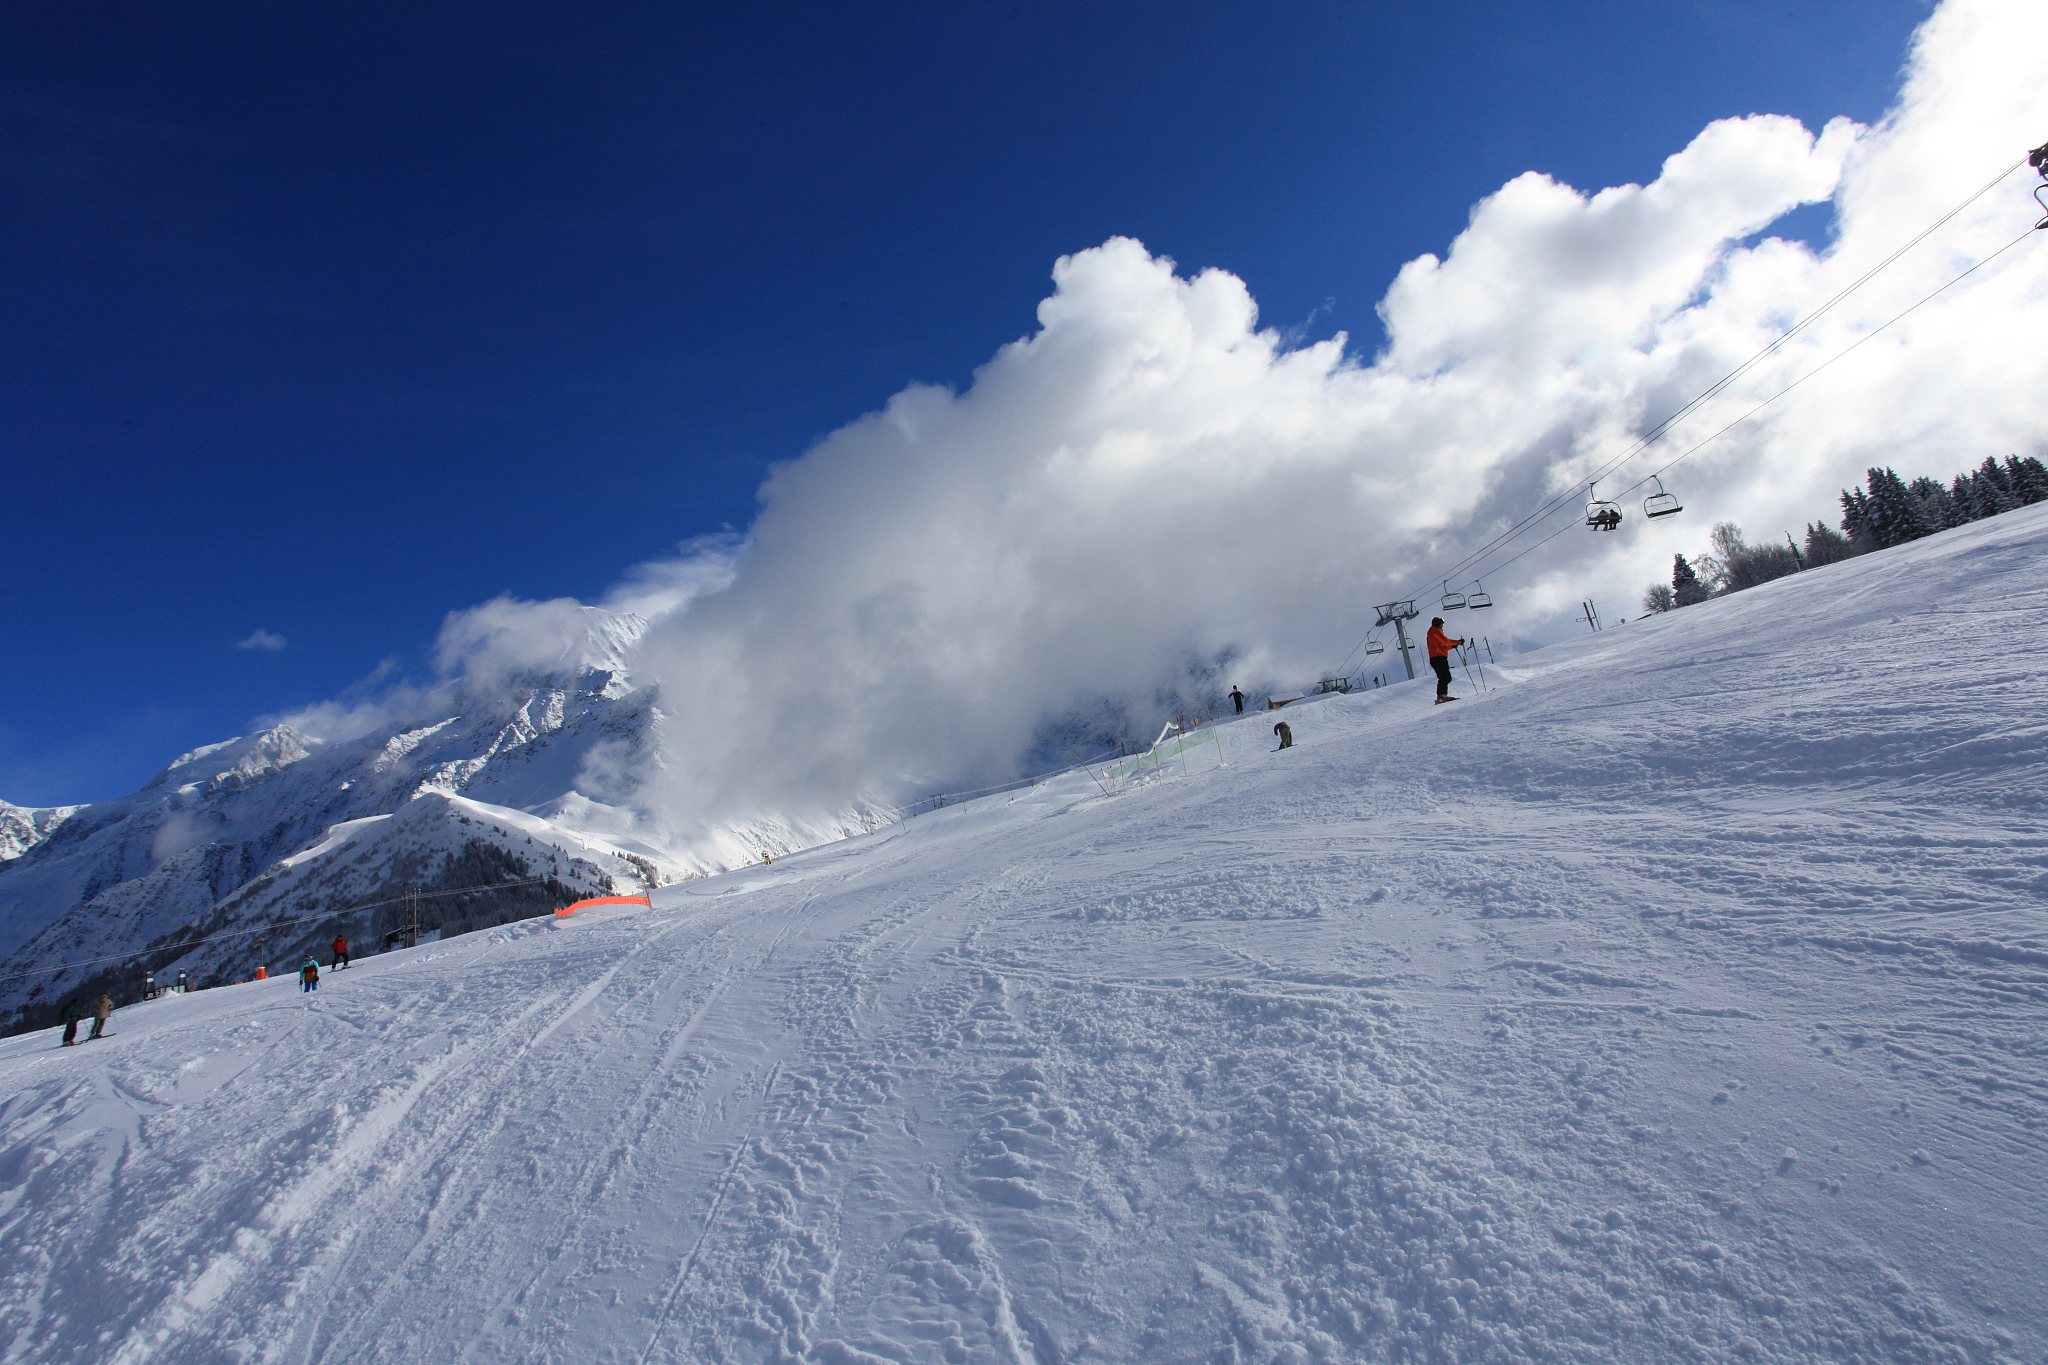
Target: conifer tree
x: 1987, y: 499
x: 1856, y: 518
x: 1686, y: 587
x: 1990, y: 470
x: 2028, y: 479
x: 1895, y: 516
x: 1961, y: 508
x: 1825, y: 545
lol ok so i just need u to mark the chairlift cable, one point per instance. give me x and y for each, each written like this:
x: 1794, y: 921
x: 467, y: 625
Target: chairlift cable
x: 1830, y: 360
x: 1551, y: 505
x: 1695, y: 449
x: 206, y: 939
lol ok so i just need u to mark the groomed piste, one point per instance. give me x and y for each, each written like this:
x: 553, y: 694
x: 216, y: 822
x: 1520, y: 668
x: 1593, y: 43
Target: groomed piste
x: 1680, y: 999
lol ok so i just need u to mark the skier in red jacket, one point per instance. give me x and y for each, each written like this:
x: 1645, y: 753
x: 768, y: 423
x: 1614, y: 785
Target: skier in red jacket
x: 1440, y: 647
x: 340, y: 946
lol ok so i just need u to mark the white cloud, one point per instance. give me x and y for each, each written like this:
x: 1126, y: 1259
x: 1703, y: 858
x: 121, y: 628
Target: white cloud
x: 508, y: 638
x: 267, y: 641
x: 1149, y: 474
x: 1150, y: 477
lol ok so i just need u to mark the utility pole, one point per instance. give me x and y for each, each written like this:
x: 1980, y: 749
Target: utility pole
x: 1797, y: 558
x: 1592, y: 616
x: 1395, y: 613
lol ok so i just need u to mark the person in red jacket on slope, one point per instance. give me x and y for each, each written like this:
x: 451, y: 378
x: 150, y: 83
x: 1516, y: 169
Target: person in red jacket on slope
x: 1440, y: 647
x: 340, y: 946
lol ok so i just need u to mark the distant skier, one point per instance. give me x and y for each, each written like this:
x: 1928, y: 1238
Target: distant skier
x: 71, y: 1014
x: 309, y: 976
x: 1237, y: 697
x: 1440, y: 647
x: 340, y: 946
x: 101, y: 1008
x: 1281, y: 729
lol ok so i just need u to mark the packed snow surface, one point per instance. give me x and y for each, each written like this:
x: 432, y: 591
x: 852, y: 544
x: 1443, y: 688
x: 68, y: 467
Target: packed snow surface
x: 1680, y: 998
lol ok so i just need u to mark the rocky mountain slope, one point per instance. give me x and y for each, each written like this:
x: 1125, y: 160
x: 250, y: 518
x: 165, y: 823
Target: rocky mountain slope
x: 250, y: 852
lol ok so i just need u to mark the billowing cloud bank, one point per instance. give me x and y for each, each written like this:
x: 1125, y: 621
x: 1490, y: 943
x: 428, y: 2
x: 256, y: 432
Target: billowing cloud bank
x: 1150, y: 478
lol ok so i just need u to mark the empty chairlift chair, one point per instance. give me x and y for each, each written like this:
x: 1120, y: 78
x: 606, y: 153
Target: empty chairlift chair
x: 1373, y: 643
x: 1660, y: 503
x: 1452, y: 600
x: 1601, y: 515
x: 1477, y: 598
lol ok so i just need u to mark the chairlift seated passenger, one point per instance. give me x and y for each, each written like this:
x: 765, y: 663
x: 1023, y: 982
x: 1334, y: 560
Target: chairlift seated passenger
x: 1601, y: 515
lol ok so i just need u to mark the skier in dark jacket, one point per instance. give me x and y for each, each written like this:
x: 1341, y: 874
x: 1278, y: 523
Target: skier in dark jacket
x: 1286, y: 734
x: 101, y: 1008
x: 1237, y: 697
x: 309, y: 976
x: 1440, y: 647
x: 340, y: 946
x: 71, y: 1014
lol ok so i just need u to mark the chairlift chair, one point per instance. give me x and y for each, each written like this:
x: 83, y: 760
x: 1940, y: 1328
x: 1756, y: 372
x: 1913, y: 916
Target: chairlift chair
x: 1601, y: 515
x: 2038, y: 159
x: 1373, y: 643
x: 1452, y: 600
x: 1477, y: 598
x: 1660, y: 503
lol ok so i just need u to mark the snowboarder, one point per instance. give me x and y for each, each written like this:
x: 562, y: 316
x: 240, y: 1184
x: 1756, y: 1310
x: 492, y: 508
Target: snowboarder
x: 1281, y: 729
x: 1237, y: 697
x: 309, y: 976
x: 1440, y: 647
x: 71, y: 1014
x: 340, y: 946
x: 101, y: 1008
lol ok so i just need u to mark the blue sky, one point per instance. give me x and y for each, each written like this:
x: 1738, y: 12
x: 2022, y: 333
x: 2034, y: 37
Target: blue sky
x: 324, y: 321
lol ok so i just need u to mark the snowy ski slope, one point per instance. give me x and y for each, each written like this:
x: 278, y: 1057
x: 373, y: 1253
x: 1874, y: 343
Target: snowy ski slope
x: 1682, y: 999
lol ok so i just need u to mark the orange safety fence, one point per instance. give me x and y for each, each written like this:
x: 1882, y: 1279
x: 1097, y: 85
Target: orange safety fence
x: 604, y: 900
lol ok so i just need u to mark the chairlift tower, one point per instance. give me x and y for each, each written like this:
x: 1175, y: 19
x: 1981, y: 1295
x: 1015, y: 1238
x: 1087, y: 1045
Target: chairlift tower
x: 1394, y: 613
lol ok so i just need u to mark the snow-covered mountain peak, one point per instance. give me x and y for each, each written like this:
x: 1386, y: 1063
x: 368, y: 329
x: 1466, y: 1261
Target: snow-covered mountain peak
x: 23, y: 827
x: 564, y: 645
x: 236, y: 760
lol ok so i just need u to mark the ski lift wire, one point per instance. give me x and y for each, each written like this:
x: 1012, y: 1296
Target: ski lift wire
x: 1543, y: 511
x: 204, y: 940
x: 1874, y: 332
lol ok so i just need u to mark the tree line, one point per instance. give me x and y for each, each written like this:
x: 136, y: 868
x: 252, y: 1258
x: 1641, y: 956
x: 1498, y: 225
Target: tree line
x: 1886, y: 511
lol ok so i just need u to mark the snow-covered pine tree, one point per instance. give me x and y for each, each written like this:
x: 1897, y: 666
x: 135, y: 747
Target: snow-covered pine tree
x: 2026, y: 479
x: 1987, y: 497
x: 1961, y: 507
x: 1895, y: 515
x: 1991, y: 470
x: 1933, y: 500
x: 1825, y: 545
x: 1856, y: 520
x: 1686, y: 587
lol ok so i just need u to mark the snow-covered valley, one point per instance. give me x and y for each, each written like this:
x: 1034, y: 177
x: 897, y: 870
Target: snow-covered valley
x: 1685, y: 997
